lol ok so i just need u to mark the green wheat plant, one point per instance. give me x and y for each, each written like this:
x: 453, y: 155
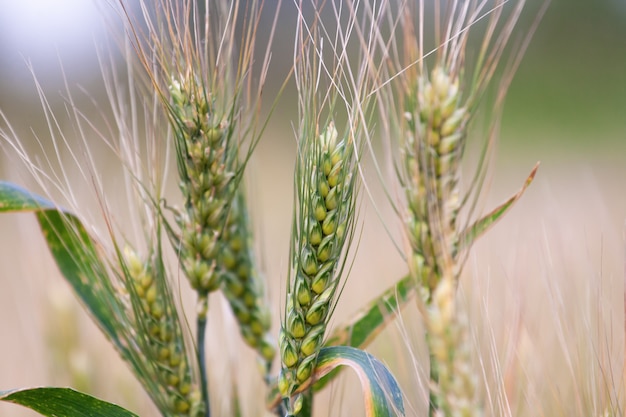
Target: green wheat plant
x: 183, y: 122
x: 439, y: 97
x: 212, y: 105
x: 439, y: 92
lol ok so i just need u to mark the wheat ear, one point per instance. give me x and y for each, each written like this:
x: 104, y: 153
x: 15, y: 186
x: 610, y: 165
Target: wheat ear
x: 241, y: 282
x: 204, y: 160
x: 433, y: 146
x: 325, y: 200
x: 159, y: 336
x: 438, y: 107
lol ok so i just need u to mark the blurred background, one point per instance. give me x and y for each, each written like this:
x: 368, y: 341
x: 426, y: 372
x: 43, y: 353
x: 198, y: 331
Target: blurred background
x: 557, y: 257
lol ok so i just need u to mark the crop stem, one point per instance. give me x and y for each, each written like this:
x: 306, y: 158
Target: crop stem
x: 201, y: 322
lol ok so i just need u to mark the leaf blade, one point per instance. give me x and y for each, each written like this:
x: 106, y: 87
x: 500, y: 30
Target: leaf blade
x: 14, y: 198
x: 74, y: 251
x: 362, y: 328
x: 382, y: 394
x: 366, y: 325
x: 478, y: 228
x: 63, y: 402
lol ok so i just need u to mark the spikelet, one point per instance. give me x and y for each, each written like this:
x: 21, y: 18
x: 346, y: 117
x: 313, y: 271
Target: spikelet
x: 325, y: 205
x: 204, y: 160
x: 159, y: 337
x: 433, y: 145
x: 241, y: 283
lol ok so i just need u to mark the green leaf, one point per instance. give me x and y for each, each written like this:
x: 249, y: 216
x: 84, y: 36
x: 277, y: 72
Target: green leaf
x: 473, y: 232
x: 382, y: 395
x: 14, y: 198
x: 74, y: 251
x: 63, y: 402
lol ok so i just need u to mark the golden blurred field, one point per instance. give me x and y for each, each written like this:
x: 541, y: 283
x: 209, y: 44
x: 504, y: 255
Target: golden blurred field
x: 544, y: 287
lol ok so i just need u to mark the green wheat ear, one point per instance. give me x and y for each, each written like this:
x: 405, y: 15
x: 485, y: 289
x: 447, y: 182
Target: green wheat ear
x: 325, y: 201
x: 433, y: 147
x: 205, y: 161
x: 159, y: 338
x: 440, y: 95
x: 242, y: 284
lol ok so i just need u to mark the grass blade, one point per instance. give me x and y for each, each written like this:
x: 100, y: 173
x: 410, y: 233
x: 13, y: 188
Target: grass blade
x: 14, y: 199
x: 63, y: 402
x: 364, y: 326
x: 382, y: 395
x: 477, y: 229
x: 381, y: 392
x: 73, y: 250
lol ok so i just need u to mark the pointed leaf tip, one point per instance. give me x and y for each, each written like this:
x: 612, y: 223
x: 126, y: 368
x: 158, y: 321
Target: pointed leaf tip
x: 473, y: 232
x: 63, y: 402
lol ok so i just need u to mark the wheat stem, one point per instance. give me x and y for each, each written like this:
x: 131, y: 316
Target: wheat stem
x: 201, y: 324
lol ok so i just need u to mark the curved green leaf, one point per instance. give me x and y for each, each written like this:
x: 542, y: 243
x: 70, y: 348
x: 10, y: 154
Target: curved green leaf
x: 63, y: 402
x: 74, y: 251
x: 364, y: 326
x: 382, y: 395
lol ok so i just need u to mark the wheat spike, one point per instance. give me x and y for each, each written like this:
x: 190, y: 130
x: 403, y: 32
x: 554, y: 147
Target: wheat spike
x: 241, y: 282
x: 325, y: 205
x: 433, y: 147
x: 159, y: 336
x: 205, y: 162
x: 439, y: 104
